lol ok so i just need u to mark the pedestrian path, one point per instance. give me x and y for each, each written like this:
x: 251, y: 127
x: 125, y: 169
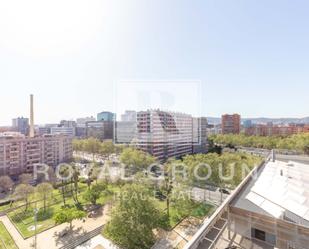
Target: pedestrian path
x: 98, y: 242
x: 19, y: 240
x: 51, y: 238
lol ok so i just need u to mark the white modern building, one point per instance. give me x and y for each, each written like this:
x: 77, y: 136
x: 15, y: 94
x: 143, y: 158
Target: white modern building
x: 125, y: 132
x: 68, y: 131
x: 164, y: 134
x: 81, y: 122
x: 199, y: 135
x: 129, y: 116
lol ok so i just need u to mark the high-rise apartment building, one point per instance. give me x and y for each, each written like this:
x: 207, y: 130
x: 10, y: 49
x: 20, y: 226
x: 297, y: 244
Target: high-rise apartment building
x: 100, y: 129
x: 129, y: 116
x: 81, y: 122
x: 68, y: 131
x: 230, y: 124
x: 19, y: 154
x: 125, y: 132
x: 106, y: 116
x: 164, y: 134
x: 67, y: 123
x: 199, y: 133
x: 21, y: 125
x: 275, y: 130
x: 247, y: 123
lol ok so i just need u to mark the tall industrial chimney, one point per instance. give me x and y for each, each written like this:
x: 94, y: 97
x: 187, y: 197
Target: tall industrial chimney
x: 31, y: 134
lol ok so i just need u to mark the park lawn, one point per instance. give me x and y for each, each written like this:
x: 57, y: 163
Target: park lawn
x: 202, y: 210
x: 24, y: 220
x: 6, y: 238
x: 56, y: 196
x: 197, y: 210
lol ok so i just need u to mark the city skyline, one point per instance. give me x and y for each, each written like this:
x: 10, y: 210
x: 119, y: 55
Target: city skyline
x: 214, y: 119
x: 154, y: 124
x: 246, y: 64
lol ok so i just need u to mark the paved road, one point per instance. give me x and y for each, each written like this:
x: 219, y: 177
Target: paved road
x: 282, y: 157
x: 297, y: 158
x: 213, y: 196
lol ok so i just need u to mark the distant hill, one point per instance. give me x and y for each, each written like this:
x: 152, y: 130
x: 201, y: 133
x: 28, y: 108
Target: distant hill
x: 215, y: 120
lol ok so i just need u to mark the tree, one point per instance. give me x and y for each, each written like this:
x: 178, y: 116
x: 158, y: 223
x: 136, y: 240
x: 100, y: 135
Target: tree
x: 25, y: 178
x: 92, y: 146
x: 64, y: 172
x: 96, y: 191
x: 136, y: 158
x: 181, y: 201
x: 24, y: 191
x: 6, y: 183
x: 67, y: 215
x: 296, y: 142
x: 307, y: 149
x: 78, y: 145
x: 166, y: 189
x: 133, y: 219
x: 44, y: 190
x: 107, y: 148
x: 119, y: 148
x: 74, y: 182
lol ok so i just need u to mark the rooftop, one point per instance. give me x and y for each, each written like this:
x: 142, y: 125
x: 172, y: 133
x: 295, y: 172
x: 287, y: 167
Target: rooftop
x: 280, y: 190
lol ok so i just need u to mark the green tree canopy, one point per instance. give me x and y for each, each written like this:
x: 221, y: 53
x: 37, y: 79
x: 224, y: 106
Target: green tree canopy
x: 24, y: 191
x: 136, y: 158
x: 44, y: 190
x: 95, y: 192
x: 133, y: 219
x: 298, y: 142
x: 67, y: 215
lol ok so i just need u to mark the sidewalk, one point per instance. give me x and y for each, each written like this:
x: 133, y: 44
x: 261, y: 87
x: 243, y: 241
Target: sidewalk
x: 19, y: 240
x: 50, y: 238
x: 179, y: 236
x: 98, y: 242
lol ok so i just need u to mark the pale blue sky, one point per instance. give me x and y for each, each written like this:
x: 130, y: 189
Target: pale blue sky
x: 250, y: 56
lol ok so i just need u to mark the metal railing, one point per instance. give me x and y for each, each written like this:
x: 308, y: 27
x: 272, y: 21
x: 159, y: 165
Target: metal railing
x: 209, y: 223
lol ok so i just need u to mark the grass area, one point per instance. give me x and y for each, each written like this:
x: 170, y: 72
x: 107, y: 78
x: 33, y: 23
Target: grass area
x: 24, y: 219
x: 198, y: 210
x: 6, y: 238
x: 177, y: 214
x: 201, y: 210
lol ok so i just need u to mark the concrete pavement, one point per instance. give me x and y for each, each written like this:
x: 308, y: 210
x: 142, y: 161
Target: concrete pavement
x: 98, y: 242
x: 51, y: 238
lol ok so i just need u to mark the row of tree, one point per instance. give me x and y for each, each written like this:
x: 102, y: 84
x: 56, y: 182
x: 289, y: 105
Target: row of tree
x: 226, y: 169
x: 24, y: 191
x: 135, y: 215
x: 298, y: 142
x: 67, y: 214
x: 94, y: 146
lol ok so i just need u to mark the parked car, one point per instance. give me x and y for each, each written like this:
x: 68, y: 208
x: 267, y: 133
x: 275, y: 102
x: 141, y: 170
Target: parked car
x: 224, y: 191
